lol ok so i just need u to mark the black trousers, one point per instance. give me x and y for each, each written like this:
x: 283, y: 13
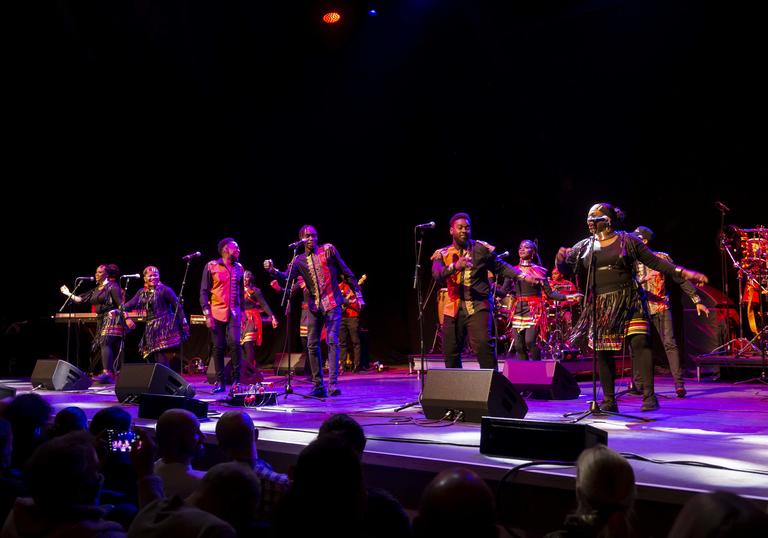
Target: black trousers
x: 227, y: 333
x: 525, y: 343
x: 478, y: 327
x: 350, y: 329
x: 662, y: 322
x: 642, y: 363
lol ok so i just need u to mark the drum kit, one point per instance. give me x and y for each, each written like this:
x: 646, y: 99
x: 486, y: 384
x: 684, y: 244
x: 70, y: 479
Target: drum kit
x: 555, y: 326
x: 748, y: 250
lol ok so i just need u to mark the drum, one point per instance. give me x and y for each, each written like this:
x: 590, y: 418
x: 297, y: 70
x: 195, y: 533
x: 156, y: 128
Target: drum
x: 754, y: 250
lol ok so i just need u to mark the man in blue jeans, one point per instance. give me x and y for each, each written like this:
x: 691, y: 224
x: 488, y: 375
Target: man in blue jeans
x: 320, y: 266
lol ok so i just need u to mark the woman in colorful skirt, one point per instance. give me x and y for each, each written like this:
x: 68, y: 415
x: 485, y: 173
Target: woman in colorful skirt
x: 529, y: 315
x: 105, y: 299
x: 622, y: 310
x: 166, y: 327
x: 251, y: 331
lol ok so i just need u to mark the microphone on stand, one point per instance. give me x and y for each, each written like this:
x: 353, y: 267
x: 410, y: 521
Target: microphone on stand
x: 134, y: 275
x: 504, y: 254
x: 191, y: 256
x: 297, y: 243
x: 88, y: 278
x: 722, y: 207
x: 426, y: 226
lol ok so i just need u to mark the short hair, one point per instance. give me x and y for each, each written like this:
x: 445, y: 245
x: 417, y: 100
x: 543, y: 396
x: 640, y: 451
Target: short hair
x: 63, y: 473
x: 303, y: 230
x: 231, y: 492
x: 235, y: 431
x: 458, y: 216
x: 644, y: 232
x: 69, y: 419
x: 223, y: 243
x: 111, y: 418
x: 347, y: 429
x: 178, y: 434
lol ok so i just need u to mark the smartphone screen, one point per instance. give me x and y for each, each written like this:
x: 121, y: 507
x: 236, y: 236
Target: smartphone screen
x: 122, y: 441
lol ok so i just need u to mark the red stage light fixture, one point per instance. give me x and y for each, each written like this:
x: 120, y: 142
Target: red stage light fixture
x: 332, y: 17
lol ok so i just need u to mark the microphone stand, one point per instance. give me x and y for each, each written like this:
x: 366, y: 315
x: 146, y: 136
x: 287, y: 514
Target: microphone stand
x: 594, y: 406
x: 760, y: 336
x: 418, y: 236
x: 286, y: 303
x: 68, y: 302
x: 180, y: 304
x: 118, y: 364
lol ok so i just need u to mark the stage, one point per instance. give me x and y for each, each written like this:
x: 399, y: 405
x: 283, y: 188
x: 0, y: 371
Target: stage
x: 718, y: 424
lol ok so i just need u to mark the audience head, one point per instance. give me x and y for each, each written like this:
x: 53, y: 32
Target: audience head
x: 28, y: 415
x: 347, y: 429
x: 112, y: 418
x: 69, y: 419
x: 237, y: 436
x: 719, y: 515
x: 178, y: 436
x: 231, y: 492
x: 457, y: 502
x: 64, y: 473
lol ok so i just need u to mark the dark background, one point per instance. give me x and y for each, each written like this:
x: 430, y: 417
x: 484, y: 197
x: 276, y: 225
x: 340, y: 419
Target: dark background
x: 137, y: 132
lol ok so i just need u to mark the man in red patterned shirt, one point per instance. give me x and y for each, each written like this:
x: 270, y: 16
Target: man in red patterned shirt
x: 661, y: 316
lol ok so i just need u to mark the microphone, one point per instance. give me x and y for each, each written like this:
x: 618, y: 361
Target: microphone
x: 722, y: 207
x: 135, y: 275
x: 191, y: 256
x: 297, y: 243
x: 598, y: 219
x: 88, y: 278
x: 503, y: 254
x: 426, y: 226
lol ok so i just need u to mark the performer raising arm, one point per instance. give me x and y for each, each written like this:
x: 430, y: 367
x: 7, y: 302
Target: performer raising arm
x: 463, y: 266
x: 622, y: 311
x: 320, y: 267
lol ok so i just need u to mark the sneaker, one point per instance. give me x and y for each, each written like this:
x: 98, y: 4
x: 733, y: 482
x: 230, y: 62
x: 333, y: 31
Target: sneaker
x: 319, y: 392
x: 334, y: 390
x: 105, y: 378
x: 680, y: 391
x: 218, y: 387
x: 651, y: 403
x: 609, y: 405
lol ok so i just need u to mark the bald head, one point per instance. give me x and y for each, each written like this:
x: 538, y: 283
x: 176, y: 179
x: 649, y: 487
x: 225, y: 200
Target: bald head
x: 231, y: 492
x: 178, y: 436
x: 455, y: 502
x: 236, y: 435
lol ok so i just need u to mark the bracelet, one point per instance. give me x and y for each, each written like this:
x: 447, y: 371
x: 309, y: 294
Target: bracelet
x: 696, y: 299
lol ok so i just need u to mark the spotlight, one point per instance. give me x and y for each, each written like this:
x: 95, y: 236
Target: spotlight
x: 332, y: 17
x: 372, y: 12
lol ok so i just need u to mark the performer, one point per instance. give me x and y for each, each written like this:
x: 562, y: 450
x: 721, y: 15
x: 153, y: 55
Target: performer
x: 166, y: 326
x: 622, y: 311
x: 528, y: 308
x: 222, y: 300
x: 350, y: 325
x: 661, y: 315
x: 251, y: 330
x: 320, y: 268
x: 463, y: 266
x: 105, y: 299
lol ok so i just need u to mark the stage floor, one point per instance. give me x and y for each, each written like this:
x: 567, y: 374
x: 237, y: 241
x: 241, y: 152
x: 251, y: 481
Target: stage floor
x: 718, y: 424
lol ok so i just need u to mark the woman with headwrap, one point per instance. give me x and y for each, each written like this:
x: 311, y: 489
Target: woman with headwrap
x: 617, y: 300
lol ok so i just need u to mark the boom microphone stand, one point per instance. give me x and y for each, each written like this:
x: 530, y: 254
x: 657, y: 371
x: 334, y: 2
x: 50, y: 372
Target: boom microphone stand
x: 594, y: 406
